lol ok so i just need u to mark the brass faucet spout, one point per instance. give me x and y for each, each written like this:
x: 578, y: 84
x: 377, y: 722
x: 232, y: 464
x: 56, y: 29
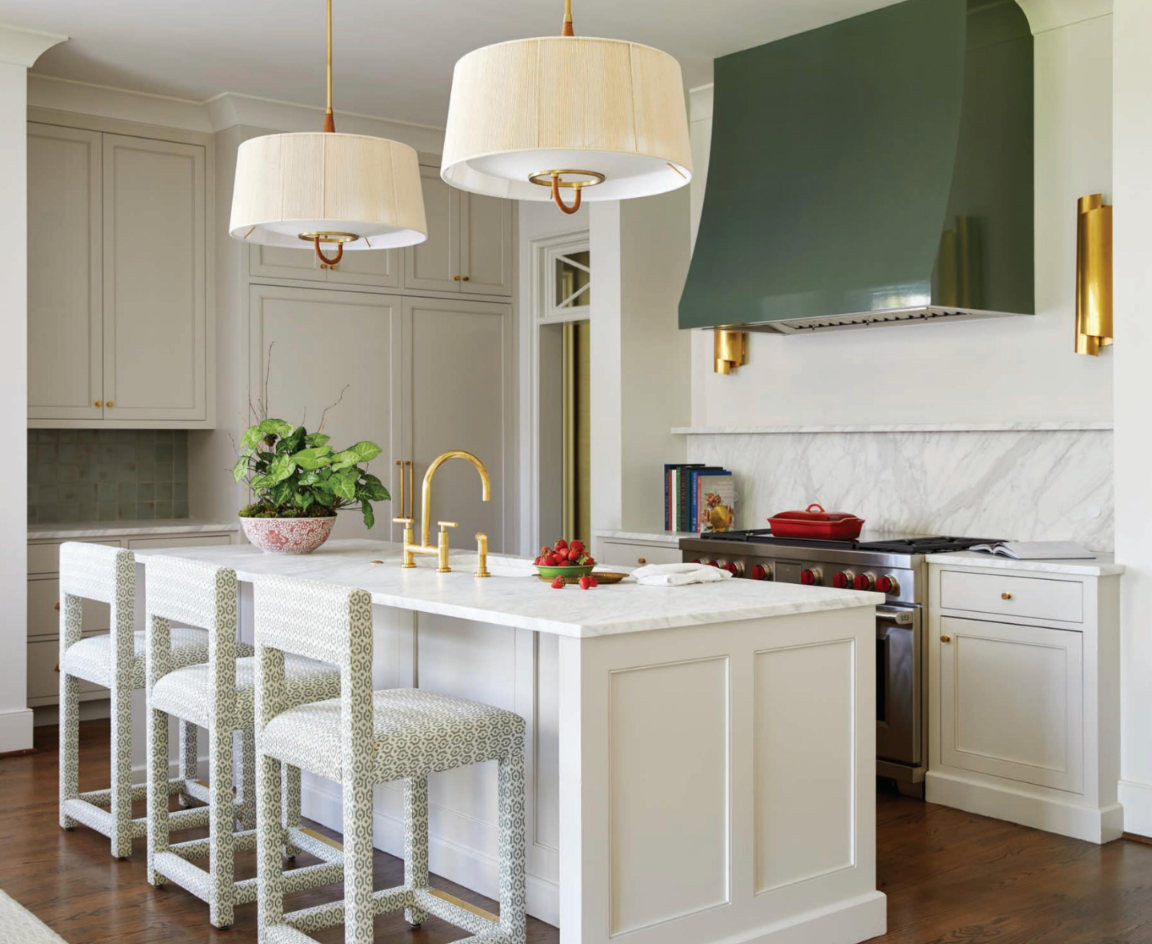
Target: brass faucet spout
x: 426, y: 499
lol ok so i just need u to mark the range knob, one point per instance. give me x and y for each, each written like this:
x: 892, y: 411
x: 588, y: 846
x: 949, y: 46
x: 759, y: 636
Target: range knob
x: 843, y: 579
x: 865, y: 582
x: 888, y: 584
x: 813, y: 577
x: 713, y: 563
x: 696, y: 561
x: 735, y: 568
x: 762, y: 572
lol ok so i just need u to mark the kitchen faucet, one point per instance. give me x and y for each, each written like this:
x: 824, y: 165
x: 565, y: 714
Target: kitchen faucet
x: 411, y: 548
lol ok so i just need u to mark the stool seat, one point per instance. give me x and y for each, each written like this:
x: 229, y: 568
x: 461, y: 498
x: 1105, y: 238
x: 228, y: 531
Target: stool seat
x: 91, y: 658
x: 187, y: 694
x: 414, y: 733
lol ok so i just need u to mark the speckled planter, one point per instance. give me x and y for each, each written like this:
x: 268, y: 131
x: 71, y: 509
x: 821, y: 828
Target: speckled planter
x: 288, y: 535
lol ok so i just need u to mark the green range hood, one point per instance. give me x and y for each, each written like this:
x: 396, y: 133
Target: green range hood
x: 872, y: 172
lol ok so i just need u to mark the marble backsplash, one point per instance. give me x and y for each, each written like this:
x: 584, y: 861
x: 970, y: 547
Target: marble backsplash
x: 1022, y: 484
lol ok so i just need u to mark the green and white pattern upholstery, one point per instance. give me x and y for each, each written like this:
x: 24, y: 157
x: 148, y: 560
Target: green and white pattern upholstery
x: 218, y: 696
x: 360, y: 739
x: 116, y: 661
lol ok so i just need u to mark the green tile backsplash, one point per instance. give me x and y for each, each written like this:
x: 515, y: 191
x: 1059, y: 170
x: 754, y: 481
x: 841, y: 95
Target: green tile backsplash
x: 106, y: 475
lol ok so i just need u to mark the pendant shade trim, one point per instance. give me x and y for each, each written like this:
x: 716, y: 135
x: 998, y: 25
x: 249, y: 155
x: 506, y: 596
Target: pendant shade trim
x: 324, y: 182
x: 525, y: 107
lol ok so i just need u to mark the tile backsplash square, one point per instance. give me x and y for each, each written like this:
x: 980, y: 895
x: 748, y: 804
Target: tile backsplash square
x: 106, y: 475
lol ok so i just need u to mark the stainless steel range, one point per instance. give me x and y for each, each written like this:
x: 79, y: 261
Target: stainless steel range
x: 893, y: 566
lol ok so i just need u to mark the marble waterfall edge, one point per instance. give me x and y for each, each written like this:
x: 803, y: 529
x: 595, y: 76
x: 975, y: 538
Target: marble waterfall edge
x: 1026, y: 485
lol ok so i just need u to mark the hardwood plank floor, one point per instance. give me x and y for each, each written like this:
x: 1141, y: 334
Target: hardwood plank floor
x: 950, y: 877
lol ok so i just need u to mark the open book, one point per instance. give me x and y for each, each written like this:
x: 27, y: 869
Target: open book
x: 1037, y: 550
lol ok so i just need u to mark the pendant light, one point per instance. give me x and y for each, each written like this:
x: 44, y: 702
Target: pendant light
x: 532, y: 117
x: 350, y: 191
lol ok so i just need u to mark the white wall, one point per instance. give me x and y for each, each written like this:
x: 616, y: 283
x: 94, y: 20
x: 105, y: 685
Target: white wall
x: 1019, y: 369
x: 1132, y: 117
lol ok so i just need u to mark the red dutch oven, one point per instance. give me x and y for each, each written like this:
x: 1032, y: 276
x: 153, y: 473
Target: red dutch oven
x: 816, y: 524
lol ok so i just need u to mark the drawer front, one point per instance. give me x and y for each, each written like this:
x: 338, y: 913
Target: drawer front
x: 1010, y: 595
x: 43, y: 679
x: 199, y: 540
x: 637, y: 555
x: 45, y: 558
x: 44, y: 610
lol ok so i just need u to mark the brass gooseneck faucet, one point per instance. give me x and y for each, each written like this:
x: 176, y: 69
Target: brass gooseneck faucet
x: 411, y: 548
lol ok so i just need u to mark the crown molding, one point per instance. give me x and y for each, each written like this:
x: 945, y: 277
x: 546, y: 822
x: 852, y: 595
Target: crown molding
x: 102, y: 101
x: 22, y: 47
x: 1045, y: 15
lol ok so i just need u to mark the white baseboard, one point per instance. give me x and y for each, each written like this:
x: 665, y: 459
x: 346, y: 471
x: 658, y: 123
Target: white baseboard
x: 845, y: 922
x: 1026, y: 807
x: 1136, y: 798
x: 16, y: 730
x: 457, y: 863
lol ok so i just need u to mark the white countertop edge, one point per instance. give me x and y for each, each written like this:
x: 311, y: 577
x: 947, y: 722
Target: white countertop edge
x: 651, y: 535
x: 894, y: 428
x: 1103, y: 566
x: 117, y: 529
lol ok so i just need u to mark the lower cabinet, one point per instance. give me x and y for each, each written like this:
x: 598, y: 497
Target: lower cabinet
x: 636, y: 554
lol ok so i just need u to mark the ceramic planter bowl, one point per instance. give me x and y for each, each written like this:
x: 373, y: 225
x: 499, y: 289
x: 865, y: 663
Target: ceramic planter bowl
x: 575, y: 572
x: 288, y: 535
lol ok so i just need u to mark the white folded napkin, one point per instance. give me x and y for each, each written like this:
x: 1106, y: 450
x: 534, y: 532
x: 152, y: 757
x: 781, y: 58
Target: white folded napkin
x: 678, y: 575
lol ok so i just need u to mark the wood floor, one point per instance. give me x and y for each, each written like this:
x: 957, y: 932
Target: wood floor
x: 950, y: 877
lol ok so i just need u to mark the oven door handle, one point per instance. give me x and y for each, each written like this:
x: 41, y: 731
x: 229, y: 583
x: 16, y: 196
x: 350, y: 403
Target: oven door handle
x: 900, y: 617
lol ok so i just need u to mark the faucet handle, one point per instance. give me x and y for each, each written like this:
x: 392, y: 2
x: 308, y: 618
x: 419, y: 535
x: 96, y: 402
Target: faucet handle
x: 445, y: 525
x: 407, y: 521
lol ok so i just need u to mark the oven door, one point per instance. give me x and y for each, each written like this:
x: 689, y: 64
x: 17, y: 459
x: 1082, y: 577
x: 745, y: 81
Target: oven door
x: 898, y: 684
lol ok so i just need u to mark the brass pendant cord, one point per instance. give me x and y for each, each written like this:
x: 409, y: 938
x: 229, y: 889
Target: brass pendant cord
x: 567, y: 30
x: 329, y: 126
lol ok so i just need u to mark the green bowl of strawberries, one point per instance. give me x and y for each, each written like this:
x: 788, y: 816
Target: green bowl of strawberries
x: 569, y: 560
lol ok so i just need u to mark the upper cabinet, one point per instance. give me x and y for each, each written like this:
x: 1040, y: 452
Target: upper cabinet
x: 378, y: 269
x: 118, y: 299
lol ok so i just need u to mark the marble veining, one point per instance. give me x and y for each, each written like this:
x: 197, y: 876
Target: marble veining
x: 1024, y: 485
x: 122, y: 529
x: 527, y: 602
x: 1103, y: 566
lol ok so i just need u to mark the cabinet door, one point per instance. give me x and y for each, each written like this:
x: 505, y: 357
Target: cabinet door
x: 276, y: 262
x: 155, y: 314
x: 434, y: 265
x: 1011, y: 702
x: 457, y: 388
x: 337, y: 350
x: 379, y: 268
x: 485, y: 244
x: 65, y: 295
x: 636, y: 555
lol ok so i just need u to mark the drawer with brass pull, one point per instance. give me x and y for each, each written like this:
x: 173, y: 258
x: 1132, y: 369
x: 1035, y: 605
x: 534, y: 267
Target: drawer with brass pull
x: 1013, y: 595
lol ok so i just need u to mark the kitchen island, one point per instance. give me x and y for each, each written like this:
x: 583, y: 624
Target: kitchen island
x: 700, y: 759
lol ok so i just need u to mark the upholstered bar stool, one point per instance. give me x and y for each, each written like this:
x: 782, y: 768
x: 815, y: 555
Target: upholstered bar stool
x: 217, y: 695
x: 116, y: 661
x: 362, y: 738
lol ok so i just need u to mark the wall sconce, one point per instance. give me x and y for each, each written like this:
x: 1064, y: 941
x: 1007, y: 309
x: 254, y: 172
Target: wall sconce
x: 729, y: 350
x: 1093, y: 274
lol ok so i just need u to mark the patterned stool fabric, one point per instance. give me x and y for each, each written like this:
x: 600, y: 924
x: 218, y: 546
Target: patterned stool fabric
x: 361, y: 739
x: 217, y: 695
x: 116, y: 661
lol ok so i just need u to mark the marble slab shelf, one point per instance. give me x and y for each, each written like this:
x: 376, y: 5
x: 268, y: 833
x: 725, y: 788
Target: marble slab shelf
x: 1104, y: 565
x: 893, y: 428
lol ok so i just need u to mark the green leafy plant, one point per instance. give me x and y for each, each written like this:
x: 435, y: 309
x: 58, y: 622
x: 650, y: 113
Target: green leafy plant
x: 296, y: 474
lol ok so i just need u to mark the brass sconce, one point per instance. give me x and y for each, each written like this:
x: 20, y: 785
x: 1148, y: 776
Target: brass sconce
x: 729, y: 350
x: 1093, y: 274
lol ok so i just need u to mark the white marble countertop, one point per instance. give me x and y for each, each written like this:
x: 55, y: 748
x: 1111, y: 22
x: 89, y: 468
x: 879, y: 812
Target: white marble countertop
x: 1103, y: 566
x: 527, y: 602
x: 119, y: 529
x: 1056, y: 426
x: 648, y: 535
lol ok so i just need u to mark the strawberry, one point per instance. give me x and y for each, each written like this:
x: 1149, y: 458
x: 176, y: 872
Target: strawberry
x: 573, y: 555
x: 585, y: 583
x: 589, y: 561
x: 577, y: 545
x: 592, y: 582
x: 545, y: 551
x: 561, y: 543
x: 558, y: 583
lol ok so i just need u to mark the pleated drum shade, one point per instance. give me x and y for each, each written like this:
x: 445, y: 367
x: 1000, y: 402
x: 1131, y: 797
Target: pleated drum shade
x: 532, y: 106
x: 290, y: 187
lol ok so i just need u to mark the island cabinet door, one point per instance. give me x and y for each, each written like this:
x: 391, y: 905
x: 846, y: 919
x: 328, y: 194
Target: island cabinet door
x: 330, y: 359
x: 1012, y: 702
x: 457, y: 383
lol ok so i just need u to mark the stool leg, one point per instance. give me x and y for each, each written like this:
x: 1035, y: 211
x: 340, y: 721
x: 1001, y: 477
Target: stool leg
x: 157, y: 791
x: 247, y: 765
x: 291, y: 806
x: 188, y: 758
x: 416, y: 843
x: 222, y: 816
x: 358, y: 909
x: 513, y: 880
x: 269, y: 841
x: 69, y: 745
x: 121, y: 806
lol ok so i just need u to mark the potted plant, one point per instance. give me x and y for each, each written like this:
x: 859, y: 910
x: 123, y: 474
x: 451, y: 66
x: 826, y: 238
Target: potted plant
x: 299, y: 483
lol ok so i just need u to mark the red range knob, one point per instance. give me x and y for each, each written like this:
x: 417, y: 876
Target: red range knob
x: 865, y: 582
x: 761, y: 572
x: 887, y: 584
x: 810, y: 577
x: 735, y: 568
x: 712, y: 563
x: 843, y: 579
x: 696, y: 561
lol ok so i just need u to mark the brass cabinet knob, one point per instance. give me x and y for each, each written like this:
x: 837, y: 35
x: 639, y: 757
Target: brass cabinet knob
x: 57, y: 606
x: 641, y: 560
x: 99, y: 402
x: 945, y: 638
x: 465, y: 278
x: 1005, y: 596
x: 455, y: 278
x: 109, y: 403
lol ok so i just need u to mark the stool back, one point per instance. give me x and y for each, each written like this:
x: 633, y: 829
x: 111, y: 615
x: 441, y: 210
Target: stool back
x: 107, y: 575
x: 192, y: 593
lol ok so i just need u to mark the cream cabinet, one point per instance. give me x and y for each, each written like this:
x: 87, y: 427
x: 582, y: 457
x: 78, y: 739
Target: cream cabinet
x: 1023, y: 707
x: 636, y: 553
x: 118, y: 280
x: 375, y: 269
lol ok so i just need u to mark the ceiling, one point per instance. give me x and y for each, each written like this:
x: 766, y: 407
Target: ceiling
x: 392, y: 59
